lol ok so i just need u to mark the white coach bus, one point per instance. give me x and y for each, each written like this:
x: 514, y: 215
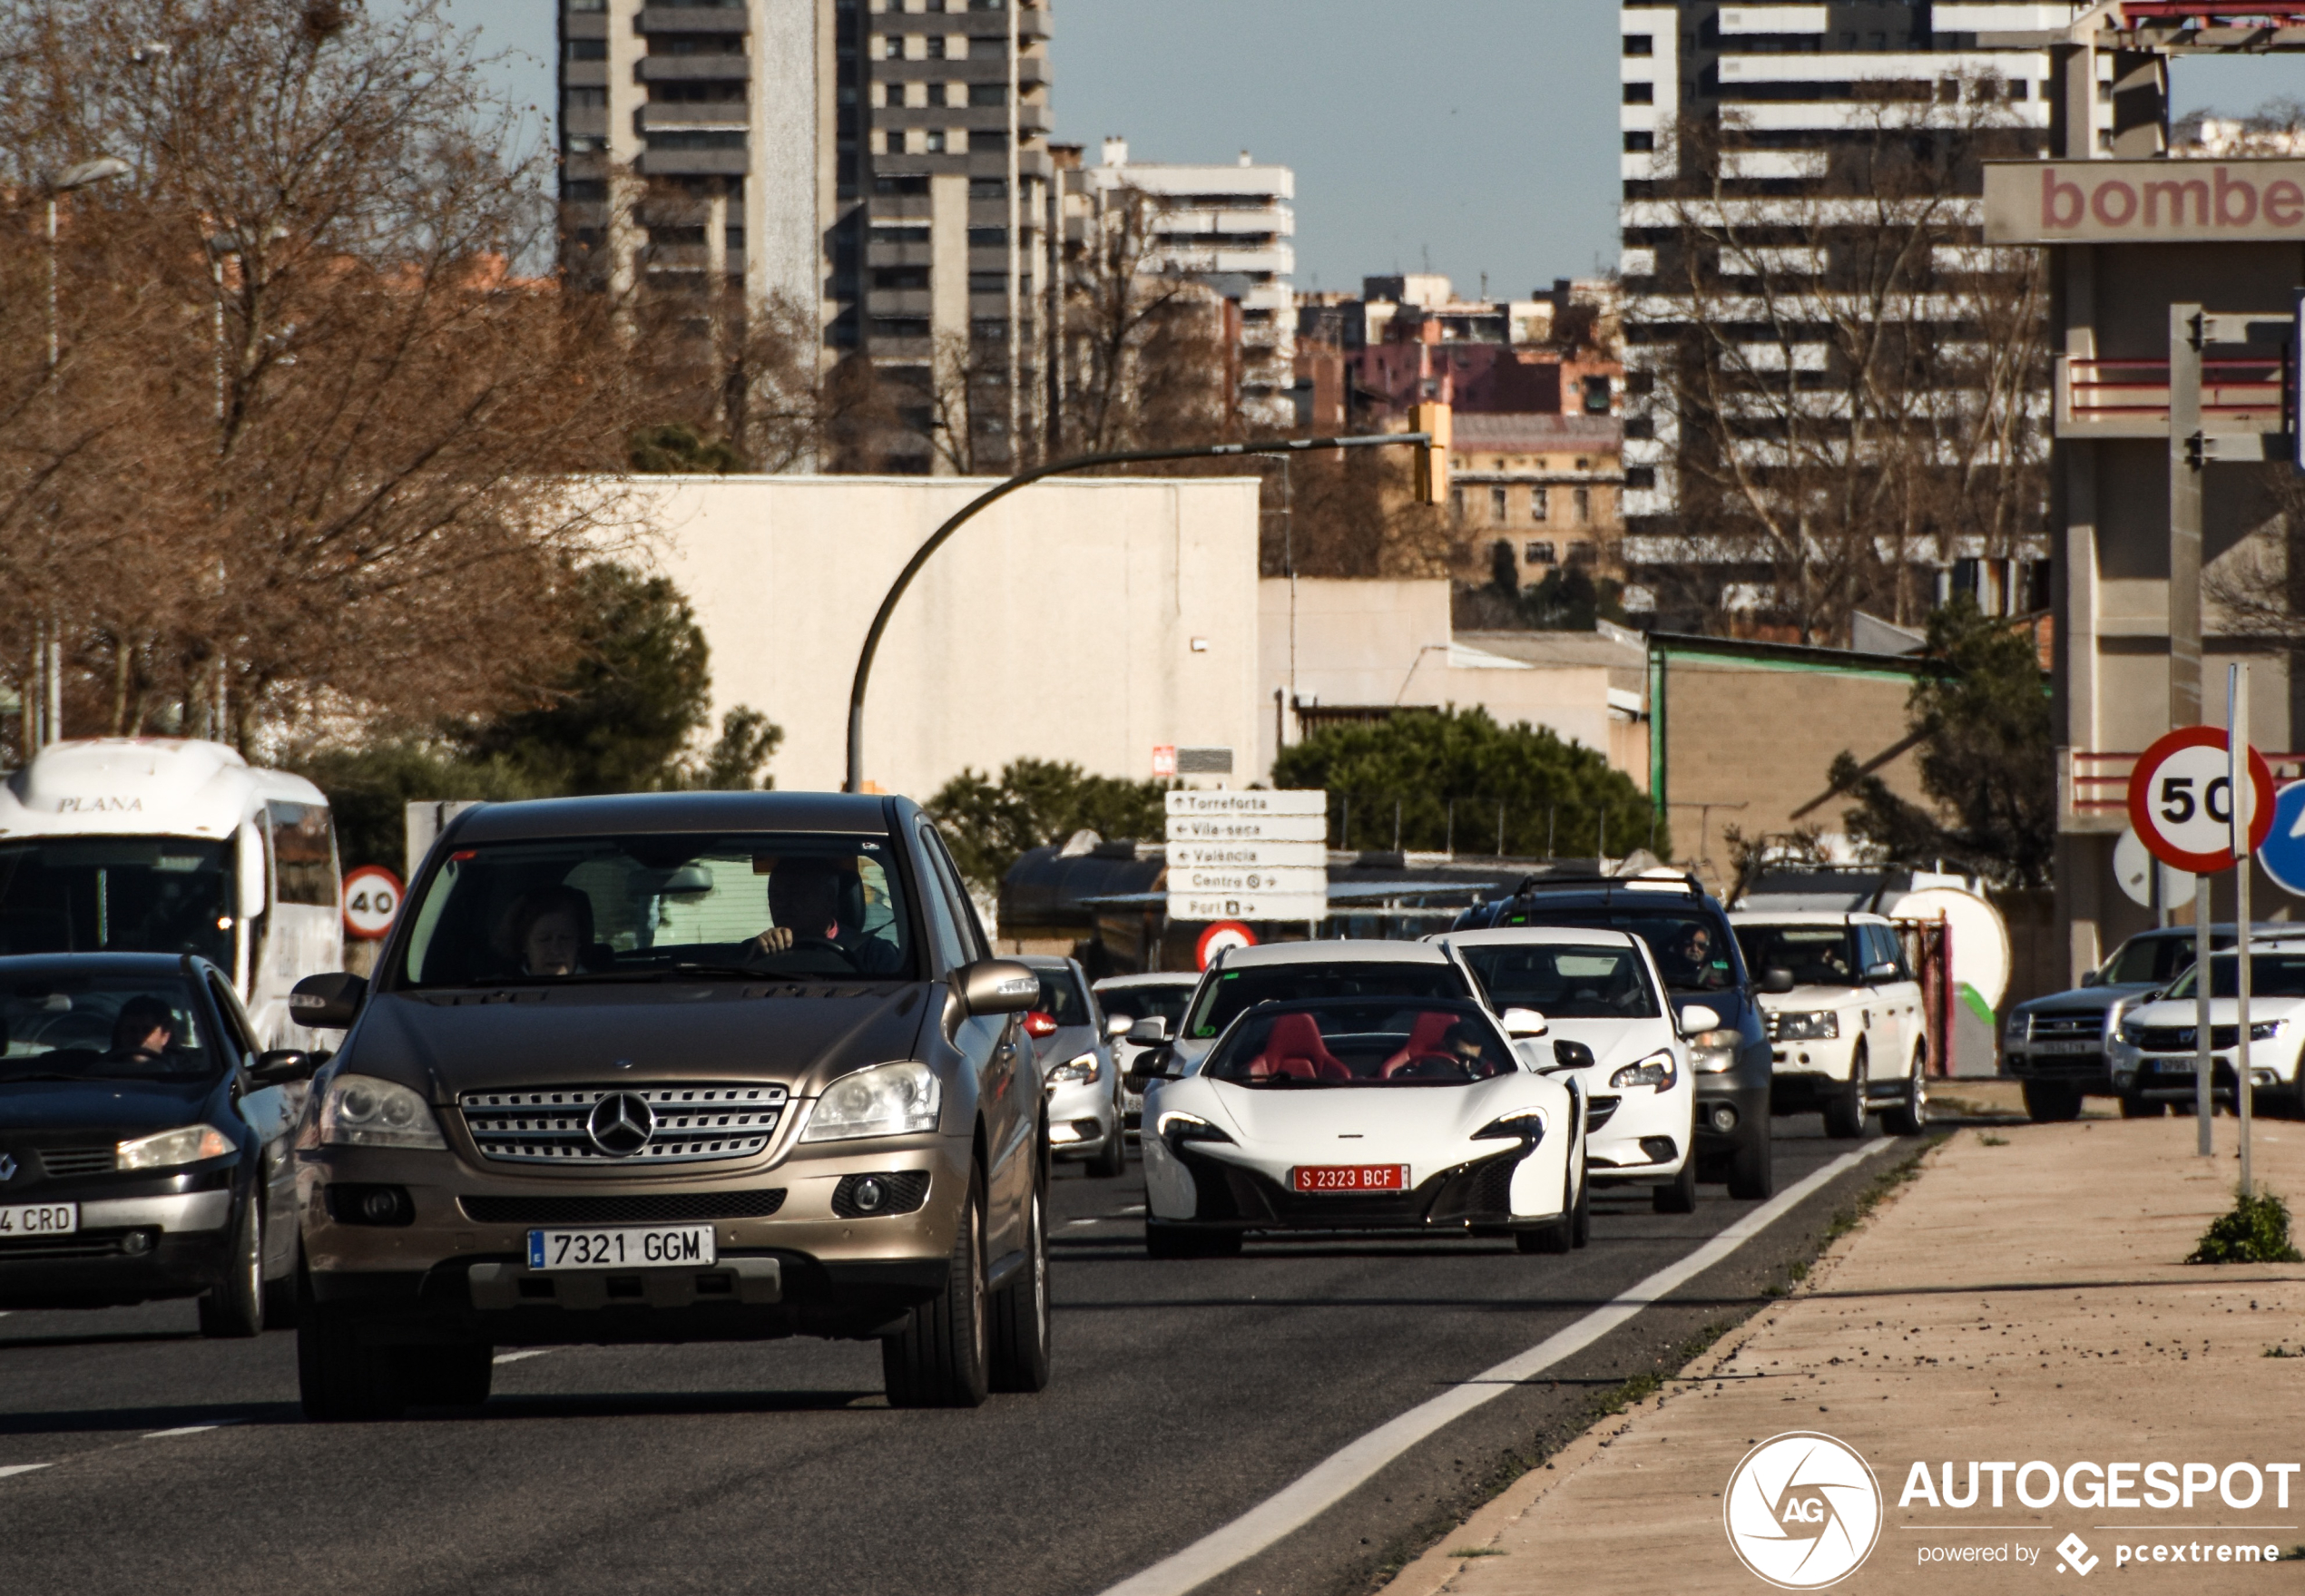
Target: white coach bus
x: 159, y: 845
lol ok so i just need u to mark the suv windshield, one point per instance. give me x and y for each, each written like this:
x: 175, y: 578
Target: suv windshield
x: 2148, y: 961
x: 103, y: 1027
x: 1564, y: 981
x: 162, y: 894
x: 1146, y: 1002
x: 776, y: 905
x: 1361, y: 1043
x: 1693, y: 953
x: 1223, y: 999
x: 2276, y: 974
x: 1818, y: 956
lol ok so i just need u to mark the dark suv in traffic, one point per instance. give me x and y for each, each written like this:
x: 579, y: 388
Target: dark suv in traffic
x: 679, y: 1067
x: 1688, y: 931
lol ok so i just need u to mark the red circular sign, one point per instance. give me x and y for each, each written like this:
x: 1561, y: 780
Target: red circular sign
x: 2179, y: 805
x: 1223, y: 935
x: 371, y: 901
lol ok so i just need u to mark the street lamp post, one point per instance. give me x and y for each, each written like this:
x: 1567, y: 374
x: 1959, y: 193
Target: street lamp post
x: 1432, y: 480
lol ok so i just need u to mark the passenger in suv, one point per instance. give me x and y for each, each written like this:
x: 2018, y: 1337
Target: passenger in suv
x: 697, y: 1130
x: 1687, y: 933
x: 1847, y: 1025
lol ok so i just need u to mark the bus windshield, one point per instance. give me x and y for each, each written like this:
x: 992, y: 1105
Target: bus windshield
x: 117, y: 895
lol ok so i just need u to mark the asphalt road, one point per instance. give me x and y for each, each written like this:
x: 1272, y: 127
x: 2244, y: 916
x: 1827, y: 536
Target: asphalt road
x: 1184, y: 1393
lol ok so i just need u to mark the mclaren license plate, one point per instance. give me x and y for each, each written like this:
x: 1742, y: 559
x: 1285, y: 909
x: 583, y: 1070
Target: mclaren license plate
x: 39, y: 1219
x: 624, y: 1248
x: 1349, y: 1178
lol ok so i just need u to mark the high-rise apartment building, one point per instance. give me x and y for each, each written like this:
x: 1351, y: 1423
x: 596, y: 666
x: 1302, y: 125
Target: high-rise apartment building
x: 881, y: 164
x: 1757, y: 120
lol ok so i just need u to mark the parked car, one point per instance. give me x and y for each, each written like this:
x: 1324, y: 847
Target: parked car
x: 676, y: 1067
x: 1077, y: 1071
x: 1140, y: 997
x: 1688, y: 935
x: 144, y: 1141
x: 1392, y: 1112
x: 2058, y: 1047
x: 1242, y: 977
x: 1610, y: 1029
x: 1848, y: 1023
x: 2156, y: 1061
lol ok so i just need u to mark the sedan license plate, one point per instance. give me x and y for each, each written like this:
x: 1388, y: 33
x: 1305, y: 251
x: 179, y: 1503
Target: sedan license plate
x: 2064, y: 1049
x: 39, y: 1219
x: 653, y: 1247
x: 1349, y: 1178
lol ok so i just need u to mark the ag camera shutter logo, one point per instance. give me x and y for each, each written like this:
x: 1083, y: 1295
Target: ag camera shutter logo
x: 1803, y: 1511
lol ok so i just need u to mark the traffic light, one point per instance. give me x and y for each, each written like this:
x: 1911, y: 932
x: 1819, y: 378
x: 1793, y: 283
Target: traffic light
x: 1432, y: 458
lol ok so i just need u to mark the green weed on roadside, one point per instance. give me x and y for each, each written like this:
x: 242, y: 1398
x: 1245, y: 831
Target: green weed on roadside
x: 2255, y: 1232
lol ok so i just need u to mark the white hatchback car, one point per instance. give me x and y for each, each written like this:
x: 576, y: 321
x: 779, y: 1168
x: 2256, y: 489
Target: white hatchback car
x: 2153, y: 1055
x: 1363, y: 1113
x: 1611, y: 1031
x: 1847, y: 1024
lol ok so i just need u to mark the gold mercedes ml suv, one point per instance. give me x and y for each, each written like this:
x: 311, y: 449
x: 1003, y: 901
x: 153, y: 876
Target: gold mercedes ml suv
x: 675, y: 1067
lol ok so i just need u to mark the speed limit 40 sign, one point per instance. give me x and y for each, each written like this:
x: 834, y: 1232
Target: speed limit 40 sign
x: 371, y: 901
x: 2181, y: 800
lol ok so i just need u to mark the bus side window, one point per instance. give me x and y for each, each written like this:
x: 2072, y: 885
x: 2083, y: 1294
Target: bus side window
x: 303, y: 854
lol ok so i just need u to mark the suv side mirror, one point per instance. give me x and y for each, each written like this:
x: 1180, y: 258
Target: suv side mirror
x: 282, y: 1065
x: 1777, y: 981
x: 1152, y: 1031
x: 330, y: 1002
x: 997, y: 986
x: 1696, y: 1017
x: 2097, y: 978
x: 1520, y: 1024
x: 1884, y: 971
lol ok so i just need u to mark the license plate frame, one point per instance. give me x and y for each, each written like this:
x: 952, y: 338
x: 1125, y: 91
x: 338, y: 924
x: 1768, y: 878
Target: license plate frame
x: 561, y: 1248
x: 2067, y: 1049
x: 17, y: 1222
x: 1320, y: 1179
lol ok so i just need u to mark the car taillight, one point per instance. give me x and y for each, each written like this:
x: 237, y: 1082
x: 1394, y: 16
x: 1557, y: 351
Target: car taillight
x: 1037, y: 1024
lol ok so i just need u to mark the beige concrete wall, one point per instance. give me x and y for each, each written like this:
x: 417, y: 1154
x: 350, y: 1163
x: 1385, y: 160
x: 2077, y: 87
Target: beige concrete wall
x: 1059, y: 624
x: 1389, y: 641
x: 1765, y: 737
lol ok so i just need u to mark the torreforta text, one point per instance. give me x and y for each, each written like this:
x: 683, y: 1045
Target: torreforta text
x: 2143, y: 202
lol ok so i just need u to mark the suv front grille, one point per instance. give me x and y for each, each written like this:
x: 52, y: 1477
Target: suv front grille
x: 2067, y: 1028
x: 689, y: 1123
x: 2185, y: 1038
x: 645, y: 1208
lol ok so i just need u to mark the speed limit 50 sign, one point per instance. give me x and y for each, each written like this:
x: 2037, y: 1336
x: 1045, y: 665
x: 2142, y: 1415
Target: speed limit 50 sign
x: 2181, y: 800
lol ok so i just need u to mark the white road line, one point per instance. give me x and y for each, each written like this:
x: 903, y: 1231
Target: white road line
x: 1340, y: 1474
x: 517, y: 1356
x: 22, y: 1468
x: 189, y: 1430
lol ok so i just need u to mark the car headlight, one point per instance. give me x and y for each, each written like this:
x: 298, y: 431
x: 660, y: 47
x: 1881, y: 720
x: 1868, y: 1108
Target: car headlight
x: 887, y: 1099
x: 2267, y: 1030
x: 1713, y: 1051
x: 361, y: 1111
x: 1073, y: 1072
x: 1817, y: 1026
x: 168, y: 1149
x: 1527, y: 1125
x: 2020, y: 1028
x: 1180, y: 1126
x: 1657, y: 1069
x: 2133, y: 1033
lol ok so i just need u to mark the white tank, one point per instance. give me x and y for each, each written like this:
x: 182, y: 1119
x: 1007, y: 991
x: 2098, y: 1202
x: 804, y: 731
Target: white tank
x: 162, y: 845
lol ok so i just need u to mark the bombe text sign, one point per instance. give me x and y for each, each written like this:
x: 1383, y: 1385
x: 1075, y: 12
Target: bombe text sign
x: 1245, y: 805
x: 2143, y: 202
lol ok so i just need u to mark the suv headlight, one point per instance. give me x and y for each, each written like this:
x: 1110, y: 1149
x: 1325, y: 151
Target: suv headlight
x: 2019, y: 1029
x: 1815, y: 1027
x: 1073, y: 1072
x: 887, y: 1099
x: 2134, y: 1033
x: 189, y: 1145
x: 1657, y: 1069
x: 361, y: 1111
x: 2266, y: 1031
x: 1711, y: 1052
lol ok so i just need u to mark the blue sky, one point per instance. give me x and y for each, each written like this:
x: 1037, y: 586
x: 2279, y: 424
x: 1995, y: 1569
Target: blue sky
x: 1472, y: 135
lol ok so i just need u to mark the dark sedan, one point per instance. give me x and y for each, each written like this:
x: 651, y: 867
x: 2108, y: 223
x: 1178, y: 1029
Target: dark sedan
x: 143, y: 1141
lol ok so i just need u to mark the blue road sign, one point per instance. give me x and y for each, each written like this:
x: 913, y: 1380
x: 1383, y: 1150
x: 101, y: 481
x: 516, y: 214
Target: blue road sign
x: 2282, y: 853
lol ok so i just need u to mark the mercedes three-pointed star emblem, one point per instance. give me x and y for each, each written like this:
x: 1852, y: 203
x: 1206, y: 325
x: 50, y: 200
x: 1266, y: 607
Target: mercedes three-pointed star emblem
x: 621, y: 1124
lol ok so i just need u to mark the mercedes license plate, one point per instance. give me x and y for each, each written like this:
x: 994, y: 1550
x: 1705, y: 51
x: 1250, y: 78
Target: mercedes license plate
x: 2063, y: 1050
x: 626, y: 1247
x: 1346, y: 1178
x: 39, y: 1219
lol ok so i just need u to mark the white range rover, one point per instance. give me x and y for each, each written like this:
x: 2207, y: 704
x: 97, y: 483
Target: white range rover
x: 1848, y: 1028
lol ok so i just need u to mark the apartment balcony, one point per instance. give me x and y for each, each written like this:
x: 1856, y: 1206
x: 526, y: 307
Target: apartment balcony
x: 693, y: 19
x: 733, y: 114
x: 695, y: 164
x: 693, y: 69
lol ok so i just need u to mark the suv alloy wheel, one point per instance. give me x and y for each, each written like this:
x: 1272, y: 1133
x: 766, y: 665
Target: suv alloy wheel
x: 1845, y: 1111
x: 1020, y: 1313
x: 1906, y: 1116
x: 940, y: 1359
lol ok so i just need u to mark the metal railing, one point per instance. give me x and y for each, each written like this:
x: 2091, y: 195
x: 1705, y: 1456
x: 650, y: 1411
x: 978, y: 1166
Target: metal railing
x: 2252, y: 388
x: 2099, y: 781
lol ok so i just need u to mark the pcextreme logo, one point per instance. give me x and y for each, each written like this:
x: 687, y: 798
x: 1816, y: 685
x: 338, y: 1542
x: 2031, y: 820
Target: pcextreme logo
x: 1803, y: 1511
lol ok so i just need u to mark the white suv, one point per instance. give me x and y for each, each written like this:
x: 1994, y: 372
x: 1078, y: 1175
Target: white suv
x: 1848, y: 1028
x: 1612, y: 1030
